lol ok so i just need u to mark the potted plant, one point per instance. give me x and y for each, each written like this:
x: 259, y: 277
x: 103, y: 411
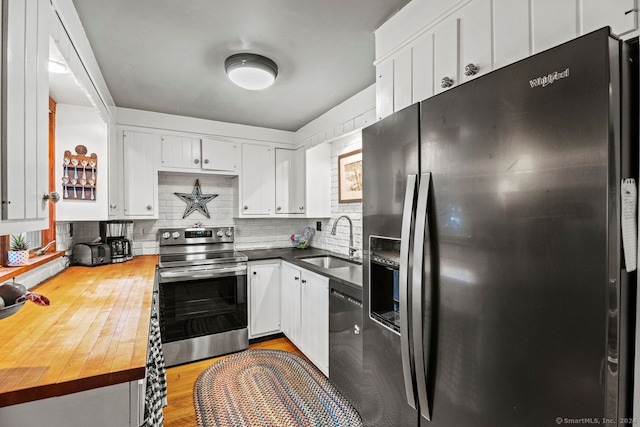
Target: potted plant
x: 18, y: 253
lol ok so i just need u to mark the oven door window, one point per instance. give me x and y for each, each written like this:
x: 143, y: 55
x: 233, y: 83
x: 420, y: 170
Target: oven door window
x: 195, y: 308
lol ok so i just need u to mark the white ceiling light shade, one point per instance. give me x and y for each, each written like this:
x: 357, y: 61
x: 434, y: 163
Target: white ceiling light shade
x: 251, y: 71
x: 57, y: 67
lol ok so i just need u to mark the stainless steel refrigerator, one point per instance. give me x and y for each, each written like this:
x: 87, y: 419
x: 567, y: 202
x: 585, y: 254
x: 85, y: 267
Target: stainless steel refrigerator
x: 495, y: 291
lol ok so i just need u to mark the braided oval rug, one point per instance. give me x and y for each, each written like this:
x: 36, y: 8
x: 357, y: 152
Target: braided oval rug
x: 269, y: 388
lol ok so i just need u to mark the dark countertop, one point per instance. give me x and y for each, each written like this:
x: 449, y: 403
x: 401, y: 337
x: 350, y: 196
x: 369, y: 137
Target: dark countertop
x: 351, y: 276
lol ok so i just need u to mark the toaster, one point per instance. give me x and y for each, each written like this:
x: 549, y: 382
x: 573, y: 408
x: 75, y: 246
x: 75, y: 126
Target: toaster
x: 91, y: 254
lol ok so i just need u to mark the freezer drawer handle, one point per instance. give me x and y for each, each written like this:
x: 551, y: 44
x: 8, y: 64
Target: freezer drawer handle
x: 421, y: 295
x: 408, y: 219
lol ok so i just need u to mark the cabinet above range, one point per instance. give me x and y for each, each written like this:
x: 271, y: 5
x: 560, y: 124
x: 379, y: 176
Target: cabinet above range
x: 191, y: 154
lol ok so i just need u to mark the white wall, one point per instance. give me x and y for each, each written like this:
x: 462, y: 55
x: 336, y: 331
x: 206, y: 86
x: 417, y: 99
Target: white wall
x: 81, y: 126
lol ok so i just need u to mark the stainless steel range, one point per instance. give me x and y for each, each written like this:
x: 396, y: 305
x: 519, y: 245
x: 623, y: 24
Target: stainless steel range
x: 203, y: 294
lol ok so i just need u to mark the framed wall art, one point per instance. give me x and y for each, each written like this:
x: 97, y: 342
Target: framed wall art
x: 350, y: 177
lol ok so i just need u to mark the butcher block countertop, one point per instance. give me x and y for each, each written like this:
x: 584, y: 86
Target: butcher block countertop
x: 95, y: 333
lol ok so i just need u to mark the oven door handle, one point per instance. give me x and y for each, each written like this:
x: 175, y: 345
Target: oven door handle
x: 204, y: 274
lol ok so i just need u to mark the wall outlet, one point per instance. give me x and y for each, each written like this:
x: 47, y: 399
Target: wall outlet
x: 318, y: 225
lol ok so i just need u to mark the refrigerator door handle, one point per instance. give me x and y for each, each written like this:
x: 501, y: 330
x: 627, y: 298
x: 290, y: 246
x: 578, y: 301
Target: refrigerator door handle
x: 408, y: 215
x: 421, y: 297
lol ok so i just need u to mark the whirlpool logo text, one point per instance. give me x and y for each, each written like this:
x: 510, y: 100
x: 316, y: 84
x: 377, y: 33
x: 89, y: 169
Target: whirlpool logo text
x: 545, y: 81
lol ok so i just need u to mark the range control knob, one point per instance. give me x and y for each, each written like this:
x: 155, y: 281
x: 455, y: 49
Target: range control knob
x: 228, y: 233
x: 166, y: 235
x: 219, y: 233
x: 175, y: 235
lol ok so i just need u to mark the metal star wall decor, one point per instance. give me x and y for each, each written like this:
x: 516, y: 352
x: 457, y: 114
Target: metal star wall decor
x: 196, y: 201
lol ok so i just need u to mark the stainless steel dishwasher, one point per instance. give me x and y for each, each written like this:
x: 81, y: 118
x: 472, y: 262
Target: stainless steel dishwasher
x: 345, y: 341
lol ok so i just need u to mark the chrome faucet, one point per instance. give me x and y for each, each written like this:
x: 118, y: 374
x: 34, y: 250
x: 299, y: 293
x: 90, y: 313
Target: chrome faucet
x: 352, y: 249
x: 43, y: 250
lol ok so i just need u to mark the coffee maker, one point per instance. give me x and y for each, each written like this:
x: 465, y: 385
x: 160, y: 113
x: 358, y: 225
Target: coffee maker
x: 118, y: 235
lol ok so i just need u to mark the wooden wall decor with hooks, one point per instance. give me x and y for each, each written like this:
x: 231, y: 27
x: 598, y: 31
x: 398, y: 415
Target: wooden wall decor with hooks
x: 80, y: 175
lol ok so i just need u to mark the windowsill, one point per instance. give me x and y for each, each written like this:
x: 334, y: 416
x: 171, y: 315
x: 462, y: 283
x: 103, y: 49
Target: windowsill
x: 7, y: 273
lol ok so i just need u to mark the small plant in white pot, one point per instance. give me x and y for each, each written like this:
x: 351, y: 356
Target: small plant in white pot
x: 18, y: 253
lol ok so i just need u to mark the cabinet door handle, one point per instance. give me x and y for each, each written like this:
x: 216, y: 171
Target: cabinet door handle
x: 304, y: 281
x: 446, y: 82
x: 196, y: 161
x: 245, y: 207
x: 296, y: 278
x: 471, y: 70
x: 254, y: 273
x: 206, y: 161
x: 149, y: 207
x: 279, y: 208
x: 301, y: 208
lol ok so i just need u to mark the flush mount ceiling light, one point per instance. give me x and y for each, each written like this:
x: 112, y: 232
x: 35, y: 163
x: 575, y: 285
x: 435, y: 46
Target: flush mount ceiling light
x: 251, y: 71
x: 57, y: 67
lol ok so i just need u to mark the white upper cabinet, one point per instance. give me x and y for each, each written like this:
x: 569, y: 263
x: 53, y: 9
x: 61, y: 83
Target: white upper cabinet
x: 402, y: 87
x: 422, y: 65
x: 257, y: 180
x: 475, y: 41
x: 290, y: 180
x: 284, y: 183
x: 470, y: 38
x: 511, y: 31
x: 116, y: 172
x: 191, y: 153
x: 25, y: 169
x: 219, y: 155
x: 384, y: 89
x: 180, y: 152
x: 620, y: 15
x: 553, y: 22
x: 445, y: 55
x: 141, y: 158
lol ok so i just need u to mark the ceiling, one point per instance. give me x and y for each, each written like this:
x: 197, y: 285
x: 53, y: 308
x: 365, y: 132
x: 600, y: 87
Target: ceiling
x: 168, y: 56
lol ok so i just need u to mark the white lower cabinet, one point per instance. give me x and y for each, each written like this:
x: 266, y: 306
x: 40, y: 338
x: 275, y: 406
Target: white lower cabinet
x: 305, y: 313
x: 314, y: 292
x: 264, y: 298
x: 290, y: 303
x: 114, y: 405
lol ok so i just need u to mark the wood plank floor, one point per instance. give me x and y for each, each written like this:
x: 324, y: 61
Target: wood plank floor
x: 180, y: 411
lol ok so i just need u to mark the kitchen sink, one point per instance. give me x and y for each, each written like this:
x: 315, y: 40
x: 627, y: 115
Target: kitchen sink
x: 328, y: 261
